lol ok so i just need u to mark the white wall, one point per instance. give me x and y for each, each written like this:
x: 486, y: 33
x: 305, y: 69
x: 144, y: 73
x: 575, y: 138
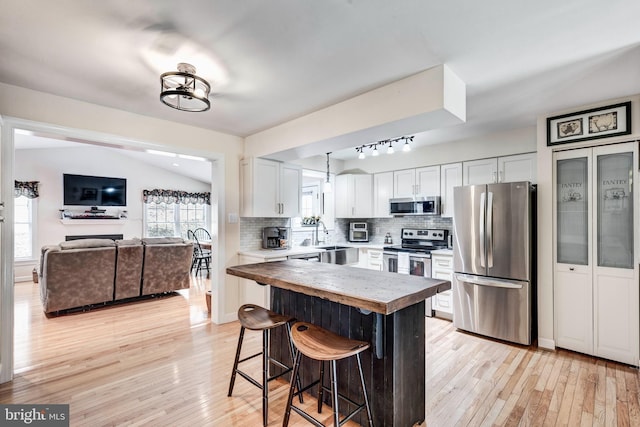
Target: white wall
x: 48, y: 166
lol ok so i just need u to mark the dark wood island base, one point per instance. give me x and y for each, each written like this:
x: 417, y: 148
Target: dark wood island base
x: 384, y: 309
x: 394, y: 366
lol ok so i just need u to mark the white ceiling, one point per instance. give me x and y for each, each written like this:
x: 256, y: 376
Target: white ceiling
x: 272, y: 61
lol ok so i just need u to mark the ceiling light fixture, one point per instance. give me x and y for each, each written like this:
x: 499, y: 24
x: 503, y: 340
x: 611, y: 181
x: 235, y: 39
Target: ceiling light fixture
x: 326, y: 188
x: 183, y: 90
x: 390, y: 149
x: 389, y: 142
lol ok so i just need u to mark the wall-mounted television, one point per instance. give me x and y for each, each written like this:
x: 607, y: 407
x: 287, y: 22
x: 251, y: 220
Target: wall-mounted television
x: 83, y: 190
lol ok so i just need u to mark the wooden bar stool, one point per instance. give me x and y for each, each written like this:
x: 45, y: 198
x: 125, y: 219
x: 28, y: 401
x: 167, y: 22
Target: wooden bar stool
x: 257, y: 318
x: 322, y: 345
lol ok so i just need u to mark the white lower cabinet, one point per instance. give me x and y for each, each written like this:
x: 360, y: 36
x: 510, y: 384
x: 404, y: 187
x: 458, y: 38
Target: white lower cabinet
x: 370, y: 258
x: 374, y: 259
x: 250, y: 291
x: 442, y: 268
x: 596, y: 292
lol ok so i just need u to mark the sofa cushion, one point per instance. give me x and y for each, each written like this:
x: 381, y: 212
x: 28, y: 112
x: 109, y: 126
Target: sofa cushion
x: 162, y: 240
x: 87, y: 243
x: 129, y: 242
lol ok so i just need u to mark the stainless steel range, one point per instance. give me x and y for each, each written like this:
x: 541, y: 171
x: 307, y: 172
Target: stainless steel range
x: 413, y: 256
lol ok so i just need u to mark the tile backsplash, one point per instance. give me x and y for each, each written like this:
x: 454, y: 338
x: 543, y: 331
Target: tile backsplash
x: 251, y: 229
x: 378, y: 227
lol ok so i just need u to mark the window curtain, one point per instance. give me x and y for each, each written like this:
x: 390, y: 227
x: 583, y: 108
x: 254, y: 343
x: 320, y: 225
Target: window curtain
x: 174, y: 196
x: 29, y: 189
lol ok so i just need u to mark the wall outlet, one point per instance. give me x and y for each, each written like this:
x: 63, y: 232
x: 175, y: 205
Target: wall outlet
x: 377, y: 230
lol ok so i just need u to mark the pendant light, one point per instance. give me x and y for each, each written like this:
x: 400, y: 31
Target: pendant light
x: 326, y: 188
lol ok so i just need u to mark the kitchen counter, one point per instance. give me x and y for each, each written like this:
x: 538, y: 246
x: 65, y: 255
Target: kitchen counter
x: 384, y: 309
x: 298, y: 250
x: 377, y: 291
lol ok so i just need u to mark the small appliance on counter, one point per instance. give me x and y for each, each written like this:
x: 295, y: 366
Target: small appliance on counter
x: 387, y: 239
x: 358, y: 232
x: 275, y: 238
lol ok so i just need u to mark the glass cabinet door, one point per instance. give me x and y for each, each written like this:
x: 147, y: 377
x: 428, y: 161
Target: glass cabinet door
x: 572, y: 211
x: 615, y: 210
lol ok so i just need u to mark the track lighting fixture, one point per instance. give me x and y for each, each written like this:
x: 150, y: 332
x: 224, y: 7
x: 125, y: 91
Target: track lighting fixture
x: 388, y: 142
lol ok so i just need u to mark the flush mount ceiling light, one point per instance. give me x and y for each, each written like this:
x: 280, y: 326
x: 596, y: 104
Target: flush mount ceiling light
x: 183, y: 90
x: 388, y: 142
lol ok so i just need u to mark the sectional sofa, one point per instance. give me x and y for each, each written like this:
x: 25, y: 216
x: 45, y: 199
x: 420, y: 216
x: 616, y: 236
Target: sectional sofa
x: 86, y: 272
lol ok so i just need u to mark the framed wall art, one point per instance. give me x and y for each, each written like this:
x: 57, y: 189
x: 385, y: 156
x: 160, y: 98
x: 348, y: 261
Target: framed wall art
x: 602, y: 122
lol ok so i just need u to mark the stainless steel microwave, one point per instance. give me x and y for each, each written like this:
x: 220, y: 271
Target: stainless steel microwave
x: 415, y: 206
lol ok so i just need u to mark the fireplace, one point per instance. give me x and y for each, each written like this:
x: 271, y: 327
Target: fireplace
x: 94, y: 236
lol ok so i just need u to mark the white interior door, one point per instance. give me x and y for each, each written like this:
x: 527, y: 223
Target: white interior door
x: 6, y: 253
x: 615, y: 270
x: 573, y: 296
x: 596, y: 283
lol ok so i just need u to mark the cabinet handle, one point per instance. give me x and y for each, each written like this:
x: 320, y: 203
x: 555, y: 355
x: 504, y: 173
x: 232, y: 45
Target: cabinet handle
x: 571, y: 269
x: 494, y: 177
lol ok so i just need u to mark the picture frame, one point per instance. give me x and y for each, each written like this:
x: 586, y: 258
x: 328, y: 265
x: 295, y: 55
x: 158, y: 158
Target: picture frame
x: 601, y: 122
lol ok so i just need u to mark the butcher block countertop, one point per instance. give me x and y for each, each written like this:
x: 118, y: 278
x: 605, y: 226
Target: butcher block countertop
x: 377, y: 291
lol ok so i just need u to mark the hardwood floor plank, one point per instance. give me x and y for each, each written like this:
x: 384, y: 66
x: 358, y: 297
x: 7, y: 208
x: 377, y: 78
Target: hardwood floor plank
x: 161, y: 362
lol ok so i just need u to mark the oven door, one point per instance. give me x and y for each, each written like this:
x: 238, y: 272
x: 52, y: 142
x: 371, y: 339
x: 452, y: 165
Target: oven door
x: 420, y: 265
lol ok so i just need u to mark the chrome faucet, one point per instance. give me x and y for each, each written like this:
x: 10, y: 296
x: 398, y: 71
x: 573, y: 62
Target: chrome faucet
x: 324, y: 229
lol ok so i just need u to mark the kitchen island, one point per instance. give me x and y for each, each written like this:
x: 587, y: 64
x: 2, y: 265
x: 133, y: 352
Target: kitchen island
x: 384, y: 309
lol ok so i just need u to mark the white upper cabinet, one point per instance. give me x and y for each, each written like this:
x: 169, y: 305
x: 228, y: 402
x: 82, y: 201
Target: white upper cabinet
x: 450, y: 177
x: 483, y: 171
x: 270, y: 188
x: 520, y: 167
x: 382, y: 192
x: 417, y: 182
x: 354, y: 194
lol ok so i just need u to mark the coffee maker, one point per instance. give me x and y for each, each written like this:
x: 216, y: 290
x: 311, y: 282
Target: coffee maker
x: 275, y: 238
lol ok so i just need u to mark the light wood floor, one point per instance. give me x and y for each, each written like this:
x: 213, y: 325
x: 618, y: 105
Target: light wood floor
x: 163, y: 363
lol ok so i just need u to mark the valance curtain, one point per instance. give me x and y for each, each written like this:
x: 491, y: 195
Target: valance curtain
x: 29, y: 189
x: 174, y: 196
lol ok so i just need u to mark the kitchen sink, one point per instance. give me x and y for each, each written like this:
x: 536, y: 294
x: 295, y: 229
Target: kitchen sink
x: 339, y: 254
x: 333, y: 247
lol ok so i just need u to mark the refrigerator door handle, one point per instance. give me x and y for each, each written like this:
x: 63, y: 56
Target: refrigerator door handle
x: 483, y: 202
x: 494, y: 283
x: 489, y: 230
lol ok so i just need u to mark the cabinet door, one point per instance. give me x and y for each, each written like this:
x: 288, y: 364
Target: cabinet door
x: 343, y: 196
x: 615, y: 271
x: 521, y: 167
x: 482, y: 171
x: 404, y: 183
x: 250, y: 291
x: 573, y: 291
x: 266, y: 182
x: 428, y: 181
x: 290, y: 190
x: 450, y: 177
x: 362, y: 196
x: 382, y: 192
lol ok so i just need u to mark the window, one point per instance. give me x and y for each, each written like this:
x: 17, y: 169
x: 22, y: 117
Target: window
x: 24, y: 227
x: 173, y: 220
x: 310, y: 201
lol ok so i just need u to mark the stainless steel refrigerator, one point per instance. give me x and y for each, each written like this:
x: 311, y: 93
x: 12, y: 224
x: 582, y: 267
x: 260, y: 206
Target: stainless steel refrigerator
x: 493, y: 253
